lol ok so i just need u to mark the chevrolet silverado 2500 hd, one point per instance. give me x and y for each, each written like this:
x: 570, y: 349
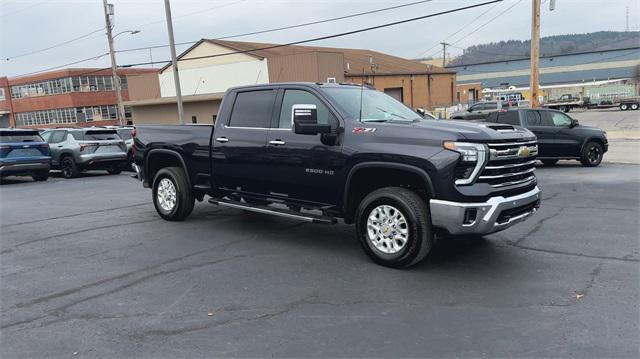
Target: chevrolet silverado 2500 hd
x: 319, y: 152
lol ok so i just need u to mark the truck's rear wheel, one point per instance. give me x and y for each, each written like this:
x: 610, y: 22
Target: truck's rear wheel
x: 624, y: 107
x: 172, y: 196
x: 393, y: 225
x: 634, y: 106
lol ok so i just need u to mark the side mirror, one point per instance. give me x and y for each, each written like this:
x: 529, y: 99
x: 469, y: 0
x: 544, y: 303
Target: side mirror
x: 574, y: 123
x: 305, y: 120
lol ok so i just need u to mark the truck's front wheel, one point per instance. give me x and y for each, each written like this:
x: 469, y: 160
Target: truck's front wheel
x: 393, y: 225
x: 172, y: 196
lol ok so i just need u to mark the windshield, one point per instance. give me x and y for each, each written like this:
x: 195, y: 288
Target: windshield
x: 376, y: 106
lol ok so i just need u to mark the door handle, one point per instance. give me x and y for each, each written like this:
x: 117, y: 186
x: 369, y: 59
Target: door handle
x: 222, y: 139
x: 59, y: 146
x: 277, y: 142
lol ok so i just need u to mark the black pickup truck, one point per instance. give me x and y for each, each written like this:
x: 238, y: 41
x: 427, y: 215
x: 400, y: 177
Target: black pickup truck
x: 560, y: 137
x: 319, y: 152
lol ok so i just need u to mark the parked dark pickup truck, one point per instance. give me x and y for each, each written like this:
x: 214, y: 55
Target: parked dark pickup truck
x: 560, y: 137
x: 318, y: 152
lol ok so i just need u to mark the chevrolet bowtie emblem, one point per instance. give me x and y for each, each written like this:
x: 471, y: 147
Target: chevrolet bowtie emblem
x: 523, y: 151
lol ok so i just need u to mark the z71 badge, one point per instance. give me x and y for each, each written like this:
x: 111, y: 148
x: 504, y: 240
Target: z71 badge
x: 364, y: 130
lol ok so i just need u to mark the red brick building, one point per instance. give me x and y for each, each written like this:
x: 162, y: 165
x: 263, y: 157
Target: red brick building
x: 70, y: 97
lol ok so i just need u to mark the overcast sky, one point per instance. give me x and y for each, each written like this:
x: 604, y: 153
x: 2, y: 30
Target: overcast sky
x: 28, y: 25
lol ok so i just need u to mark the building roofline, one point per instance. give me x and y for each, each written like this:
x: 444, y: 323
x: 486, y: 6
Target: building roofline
x: 544, y: 57
x: 174, y: 99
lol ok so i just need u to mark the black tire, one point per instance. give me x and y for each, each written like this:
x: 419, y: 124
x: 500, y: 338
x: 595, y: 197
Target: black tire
x: 591, y: 154
x: 549, y: 162
x: 418, y: 223
x: 114, y: 170
x: 41, y: 176
x: 634, y: 106
x: 69, y: 167
x: 184, y: 198
x: 624, y: 107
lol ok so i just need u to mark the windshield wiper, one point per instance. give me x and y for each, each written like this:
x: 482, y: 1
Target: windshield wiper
x: 373, y: 120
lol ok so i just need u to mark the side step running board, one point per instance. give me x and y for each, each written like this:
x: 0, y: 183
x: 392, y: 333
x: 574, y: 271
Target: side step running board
x: 274, y: 211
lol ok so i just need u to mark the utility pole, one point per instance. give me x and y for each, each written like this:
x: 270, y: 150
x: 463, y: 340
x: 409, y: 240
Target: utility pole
x: 108, y: 11
x: 174, y: 62
x: 535, y: 53
x: 444, y: 53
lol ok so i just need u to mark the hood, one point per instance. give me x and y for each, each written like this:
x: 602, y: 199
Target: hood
x: 476, y: 131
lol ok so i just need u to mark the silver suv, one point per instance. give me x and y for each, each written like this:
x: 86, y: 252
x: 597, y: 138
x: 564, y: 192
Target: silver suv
x: 74, y: 150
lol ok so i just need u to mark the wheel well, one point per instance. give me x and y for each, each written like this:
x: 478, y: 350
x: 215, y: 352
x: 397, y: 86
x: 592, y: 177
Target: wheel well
x: 369, y: 179
x: 158, y: 161
x: 594, y: 139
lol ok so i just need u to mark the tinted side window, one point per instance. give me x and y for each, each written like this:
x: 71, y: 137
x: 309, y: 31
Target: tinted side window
x: 476, y: 107
x: 300, y: 97
x: 533, y: 119
x: 490, y: 106
x: 252, y: 109
x: 510, y: 118
x: 560, y: 119
x: 545, y: 117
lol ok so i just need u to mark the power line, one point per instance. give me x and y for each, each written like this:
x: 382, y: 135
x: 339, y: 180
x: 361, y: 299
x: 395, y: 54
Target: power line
x: 481, y: 26
x: 192, y: 13
x: 54, y: 46
x: 288, y: 27
x: 458, y: 31
x: 23, y: 9
x: 328, y: 36
x: 488, y: 22
x: 281, y: 45
x: 65, y: 65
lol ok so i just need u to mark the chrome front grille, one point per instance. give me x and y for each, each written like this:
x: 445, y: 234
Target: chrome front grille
x: 510, y: 163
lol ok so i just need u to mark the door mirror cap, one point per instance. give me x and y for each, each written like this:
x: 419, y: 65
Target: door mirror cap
x: 305, y: 120
x: 574, y: 123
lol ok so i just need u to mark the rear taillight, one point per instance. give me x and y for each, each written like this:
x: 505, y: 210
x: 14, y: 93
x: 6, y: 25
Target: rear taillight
x: 87, y: 146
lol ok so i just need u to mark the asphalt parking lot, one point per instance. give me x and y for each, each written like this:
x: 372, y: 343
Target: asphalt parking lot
x: 89, y: 270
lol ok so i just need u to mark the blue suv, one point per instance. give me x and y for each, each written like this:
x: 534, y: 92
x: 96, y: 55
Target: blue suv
x: 24, y: 153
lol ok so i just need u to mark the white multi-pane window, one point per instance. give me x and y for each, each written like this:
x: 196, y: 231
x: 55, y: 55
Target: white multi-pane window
x: 65, y: 85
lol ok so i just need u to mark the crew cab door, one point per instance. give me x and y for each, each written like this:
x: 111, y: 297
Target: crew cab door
x: 239, y: 144
x: 542, y: 126
x: 568, y: 141
x: 304, y: 168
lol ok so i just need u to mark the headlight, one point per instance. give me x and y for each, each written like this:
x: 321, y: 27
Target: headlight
x: 468, y: 151
x: 473, y: 157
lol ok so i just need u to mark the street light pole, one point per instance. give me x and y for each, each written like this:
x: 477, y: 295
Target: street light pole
x: 174, y: 62
x: 114, y: 67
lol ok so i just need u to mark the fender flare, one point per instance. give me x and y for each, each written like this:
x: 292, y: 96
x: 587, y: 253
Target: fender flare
x: 168, y: 152
x: 378, y: 164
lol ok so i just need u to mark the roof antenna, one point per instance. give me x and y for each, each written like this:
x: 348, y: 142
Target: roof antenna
x: 361, y: 93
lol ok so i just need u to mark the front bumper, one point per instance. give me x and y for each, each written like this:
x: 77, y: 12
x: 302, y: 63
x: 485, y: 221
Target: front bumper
x: 496, y: 214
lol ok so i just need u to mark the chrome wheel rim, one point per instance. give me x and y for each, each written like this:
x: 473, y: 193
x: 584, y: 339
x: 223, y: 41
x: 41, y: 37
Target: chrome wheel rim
x: 594, y: 154
x: 387, y: 229
x: 166, y: 194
